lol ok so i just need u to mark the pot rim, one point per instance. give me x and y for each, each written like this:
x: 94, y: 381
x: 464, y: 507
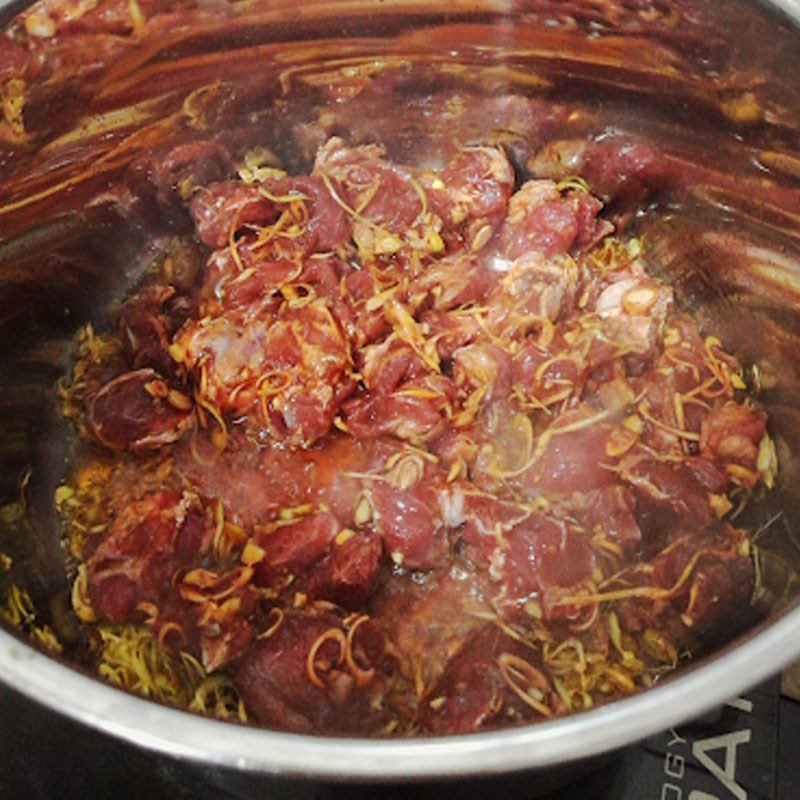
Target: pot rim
x: 699, y: 688
x: 185, y: 735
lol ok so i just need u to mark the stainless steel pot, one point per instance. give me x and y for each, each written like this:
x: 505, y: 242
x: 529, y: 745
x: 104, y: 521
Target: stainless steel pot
x: 58, y: 264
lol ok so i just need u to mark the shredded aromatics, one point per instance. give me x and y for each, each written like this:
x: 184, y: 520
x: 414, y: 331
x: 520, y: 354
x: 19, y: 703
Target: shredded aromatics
x: 19, y: 612
x: 334, y: 635
x: 404, y: 427
x: 130, y: 657
x: 12, y: 101
x: 526, y: 681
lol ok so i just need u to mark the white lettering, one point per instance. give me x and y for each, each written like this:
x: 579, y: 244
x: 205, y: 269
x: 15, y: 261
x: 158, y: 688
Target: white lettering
x: 740, y: 703
x: 726, y: 774
x: 674, y: 765
x: 676, y: 738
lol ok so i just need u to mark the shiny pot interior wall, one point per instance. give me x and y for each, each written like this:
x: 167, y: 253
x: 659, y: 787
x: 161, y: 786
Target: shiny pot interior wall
x: 683, y: 77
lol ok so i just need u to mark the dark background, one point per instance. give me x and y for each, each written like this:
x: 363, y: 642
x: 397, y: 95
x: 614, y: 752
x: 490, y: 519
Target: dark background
x: 44, y: 756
